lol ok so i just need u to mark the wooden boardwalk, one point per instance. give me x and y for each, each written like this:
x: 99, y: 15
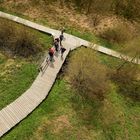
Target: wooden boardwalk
x: 28, y: 101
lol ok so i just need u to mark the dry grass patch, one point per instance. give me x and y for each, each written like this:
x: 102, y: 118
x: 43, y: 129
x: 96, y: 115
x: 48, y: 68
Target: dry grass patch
x: 60, y: 124
x: 120, y: 33
x: 55, y: 126
x: 58, y: 16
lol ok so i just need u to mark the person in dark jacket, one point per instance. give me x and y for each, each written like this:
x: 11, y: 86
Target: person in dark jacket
x: 61, y: 37
x: 62, y: 50
x: 56, y: 44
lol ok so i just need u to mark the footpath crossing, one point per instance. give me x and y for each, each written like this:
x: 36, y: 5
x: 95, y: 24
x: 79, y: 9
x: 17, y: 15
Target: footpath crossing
x: 15, y: 112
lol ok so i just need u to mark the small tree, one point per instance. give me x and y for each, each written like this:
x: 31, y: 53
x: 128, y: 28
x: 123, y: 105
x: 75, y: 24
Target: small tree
x: 128, y: 80
x: 27, y: 44
x: 131, y: 49
x: 127, y: 74
x: 18, y: 40
x: 97, y: 9
x: 87, y: 75
x: 127, y: 8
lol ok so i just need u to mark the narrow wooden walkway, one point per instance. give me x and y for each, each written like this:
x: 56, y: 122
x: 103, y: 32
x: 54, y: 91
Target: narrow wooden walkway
x: 28, y: 101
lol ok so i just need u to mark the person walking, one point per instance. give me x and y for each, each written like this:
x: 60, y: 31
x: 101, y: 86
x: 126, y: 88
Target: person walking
x: 61, y: 37
x: 62, y: 50
x: 48, y: 59
x: 51, y: 54
x: 56, y: 44
x: 63, y: 30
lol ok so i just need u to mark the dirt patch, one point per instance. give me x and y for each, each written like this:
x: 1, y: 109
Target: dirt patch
x: 60, y: 124
x: 54, y: 127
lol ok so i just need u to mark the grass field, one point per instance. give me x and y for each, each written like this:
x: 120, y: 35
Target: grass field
x: 65, y: 115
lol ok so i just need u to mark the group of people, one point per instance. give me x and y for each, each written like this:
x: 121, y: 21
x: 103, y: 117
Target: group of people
x: 57, y: 46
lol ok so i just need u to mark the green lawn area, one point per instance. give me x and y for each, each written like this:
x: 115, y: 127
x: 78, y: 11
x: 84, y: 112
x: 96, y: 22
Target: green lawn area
x: 65, y: 115
x: 15, y: 78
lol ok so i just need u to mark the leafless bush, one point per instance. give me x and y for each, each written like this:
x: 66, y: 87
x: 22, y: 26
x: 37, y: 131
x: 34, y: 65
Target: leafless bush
x: 128, y: 80
x: 18, y: 40
x: 26, y: 44
x: 87, y: 75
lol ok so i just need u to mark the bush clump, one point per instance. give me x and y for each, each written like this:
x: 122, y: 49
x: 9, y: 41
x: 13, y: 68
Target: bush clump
x: 27, y: 44
x: 128, y: 79
x: 18, y: 40
x: 87, y: 76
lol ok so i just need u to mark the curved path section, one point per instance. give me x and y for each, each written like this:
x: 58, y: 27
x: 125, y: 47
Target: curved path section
x: 28, y: 101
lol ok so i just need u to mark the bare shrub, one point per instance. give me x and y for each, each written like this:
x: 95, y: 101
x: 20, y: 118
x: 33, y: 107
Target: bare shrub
x: 26, y: 44
x: 7, y: 34
x: 127, y: 8
x: 127, y: 75
x: 132, y: 48
x: 95, y: 19
x: 128, y: 81
x: 18, y: 40
x: 87, y: 75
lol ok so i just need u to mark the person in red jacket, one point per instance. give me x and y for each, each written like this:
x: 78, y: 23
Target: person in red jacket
x: 51, y: 53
